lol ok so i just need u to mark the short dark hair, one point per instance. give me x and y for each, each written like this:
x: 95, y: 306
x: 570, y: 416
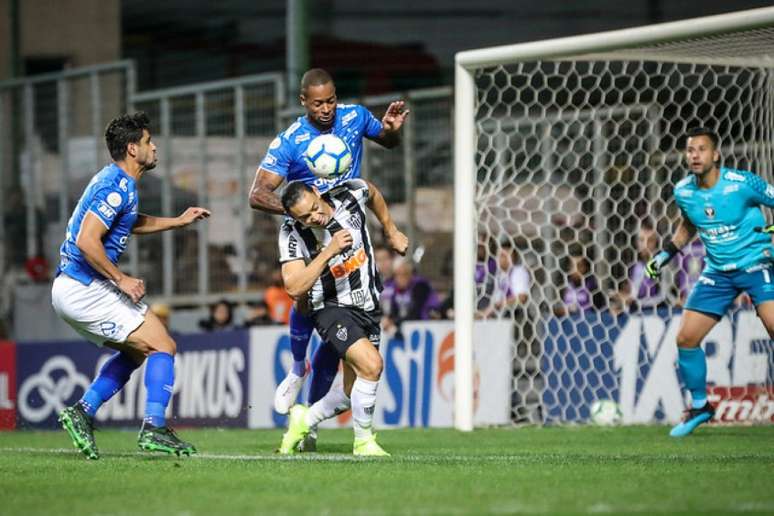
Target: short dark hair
x: 293, y: 193
x: 123, y: 130
x: 703, y: 131
x: 315, y: 77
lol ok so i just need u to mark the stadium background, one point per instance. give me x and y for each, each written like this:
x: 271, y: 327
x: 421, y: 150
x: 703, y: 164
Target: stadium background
x: 218, y: 85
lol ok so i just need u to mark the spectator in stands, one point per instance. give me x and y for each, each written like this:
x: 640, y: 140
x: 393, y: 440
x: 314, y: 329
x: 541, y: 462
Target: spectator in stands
x: 581, y: 291
x: 278, y: 302
x: 486, y: 267
x: 511, y: 282
x: 413, y: 297
x: 690, y: 264
x: 641, y: 292
x: 221, y: 317
x: 258, y: 315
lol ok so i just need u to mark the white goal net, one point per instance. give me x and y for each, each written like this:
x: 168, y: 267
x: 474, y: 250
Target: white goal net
x: 566, y: 154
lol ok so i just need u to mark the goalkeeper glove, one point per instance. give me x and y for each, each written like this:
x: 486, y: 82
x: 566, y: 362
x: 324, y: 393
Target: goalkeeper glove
x: 765, y: 229
x: 653, y: 267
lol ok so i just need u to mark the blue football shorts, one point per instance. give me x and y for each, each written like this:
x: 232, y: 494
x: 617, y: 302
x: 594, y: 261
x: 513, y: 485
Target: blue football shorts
x: 715, y: 291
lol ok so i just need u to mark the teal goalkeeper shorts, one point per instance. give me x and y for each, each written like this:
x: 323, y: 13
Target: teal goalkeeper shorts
x: 715, y: 291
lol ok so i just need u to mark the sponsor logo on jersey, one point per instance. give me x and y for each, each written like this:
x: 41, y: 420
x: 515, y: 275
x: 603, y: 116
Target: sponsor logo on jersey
x: 355, y: 221
x: 292, y: 246
x: 123, y: 184
x: 709, y: 211
x: 770, y: 191
x: 106, y: 210
x: 270, y: 160
x: 341, y: 333
x: 114, y: 199
x: 349, y: 265
x: 684, y: 192
x: 131, y: 197
x: 358, y: 297
x: 348, y: 117
x: 730, y: 189
x: 302, y: 138
x: 275, y: 143
x: 735, y: 176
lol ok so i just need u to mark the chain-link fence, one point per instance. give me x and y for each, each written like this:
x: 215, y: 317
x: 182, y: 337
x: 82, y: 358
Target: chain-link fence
x: 210, y: 139
x: 51, y: 143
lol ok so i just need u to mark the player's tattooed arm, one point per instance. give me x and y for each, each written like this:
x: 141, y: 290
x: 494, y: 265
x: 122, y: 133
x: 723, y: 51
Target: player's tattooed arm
x: 147, y: 224
x: 392, y: 121
x: 376, y: 203
x: 262, y: 193
x: 89, y: 241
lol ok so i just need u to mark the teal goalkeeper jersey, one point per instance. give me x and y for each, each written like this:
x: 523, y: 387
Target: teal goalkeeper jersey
x: 725, y: 217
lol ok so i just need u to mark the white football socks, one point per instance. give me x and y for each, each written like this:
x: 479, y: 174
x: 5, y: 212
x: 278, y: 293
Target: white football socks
x: 363, y: 401
x: 330, y: 405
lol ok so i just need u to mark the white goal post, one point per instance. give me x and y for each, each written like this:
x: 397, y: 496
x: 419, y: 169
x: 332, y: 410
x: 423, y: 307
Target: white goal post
x: 540, y: 124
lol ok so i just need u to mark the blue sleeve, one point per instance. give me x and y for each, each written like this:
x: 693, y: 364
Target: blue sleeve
x: 372, y: 127
x: 106, y: 203
x: 278, y: 156
x: 760, y: 191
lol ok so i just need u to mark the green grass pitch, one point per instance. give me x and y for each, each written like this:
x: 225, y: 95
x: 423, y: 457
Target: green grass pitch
x: 501, y: 471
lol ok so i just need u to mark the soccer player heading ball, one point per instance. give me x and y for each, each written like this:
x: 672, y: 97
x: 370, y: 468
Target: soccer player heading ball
x: 104, y: 304
x: 723, y: 206
x: 327, y: 254
x: 284, y: 161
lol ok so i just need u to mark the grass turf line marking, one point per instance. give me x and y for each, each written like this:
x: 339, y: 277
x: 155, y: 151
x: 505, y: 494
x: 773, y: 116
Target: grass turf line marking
x: 524, y: 459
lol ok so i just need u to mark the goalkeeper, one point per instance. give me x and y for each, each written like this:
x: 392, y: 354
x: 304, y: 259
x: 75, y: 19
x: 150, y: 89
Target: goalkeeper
x: 723, y: 206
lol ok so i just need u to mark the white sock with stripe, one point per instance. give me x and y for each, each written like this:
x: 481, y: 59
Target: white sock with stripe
x: 363, y: 401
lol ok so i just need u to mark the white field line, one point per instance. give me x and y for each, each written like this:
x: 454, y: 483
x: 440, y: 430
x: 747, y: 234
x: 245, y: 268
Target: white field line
x: 524, y: 459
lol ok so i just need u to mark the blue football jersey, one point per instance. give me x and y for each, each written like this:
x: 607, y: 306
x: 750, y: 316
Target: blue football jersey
x: 111, y: 195
x: 286, y: 152
x: 725, y: 217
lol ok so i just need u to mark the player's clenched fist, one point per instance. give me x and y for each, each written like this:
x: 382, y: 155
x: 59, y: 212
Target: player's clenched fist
x: 397, y: 241
x: 132, y: 287
x: 340, y: 241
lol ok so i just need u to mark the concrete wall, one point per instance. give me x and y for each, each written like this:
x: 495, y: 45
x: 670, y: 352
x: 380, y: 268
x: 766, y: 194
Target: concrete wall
x: 84, y: 32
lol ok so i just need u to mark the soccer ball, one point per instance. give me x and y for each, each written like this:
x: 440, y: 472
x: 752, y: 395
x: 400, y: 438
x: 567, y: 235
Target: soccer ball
x: 328, y: 156
x: 605, y: 413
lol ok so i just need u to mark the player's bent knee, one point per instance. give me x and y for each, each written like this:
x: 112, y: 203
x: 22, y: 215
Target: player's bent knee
x: 165, y: 345
x: 687, y: 340
x: 372, y: 368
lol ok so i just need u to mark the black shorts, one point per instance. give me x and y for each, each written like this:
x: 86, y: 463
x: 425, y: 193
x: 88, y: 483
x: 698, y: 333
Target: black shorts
x: 341, y: 327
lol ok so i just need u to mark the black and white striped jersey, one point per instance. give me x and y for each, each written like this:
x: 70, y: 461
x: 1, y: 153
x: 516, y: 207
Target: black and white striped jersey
x: 351, y: 278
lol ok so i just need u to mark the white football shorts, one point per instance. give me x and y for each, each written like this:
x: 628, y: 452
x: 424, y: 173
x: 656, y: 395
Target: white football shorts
x: 100, y: 312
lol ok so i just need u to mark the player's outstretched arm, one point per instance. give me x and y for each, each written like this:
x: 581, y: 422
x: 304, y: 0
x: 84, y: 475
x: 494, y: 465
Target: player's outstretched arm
x: 376, y: 203
x: 392, y: 121
x: 89, y: 241
x: 147, y: 224
x: 299, y: 277
x: 684, y: 234
x: 262, y: 196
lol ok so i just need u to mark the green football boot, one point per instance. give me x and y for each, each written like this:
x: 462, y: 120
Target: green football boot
x: 368, y: 447
x: 80, y: 426
x: 163, y: 439
x: 297, y: 430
